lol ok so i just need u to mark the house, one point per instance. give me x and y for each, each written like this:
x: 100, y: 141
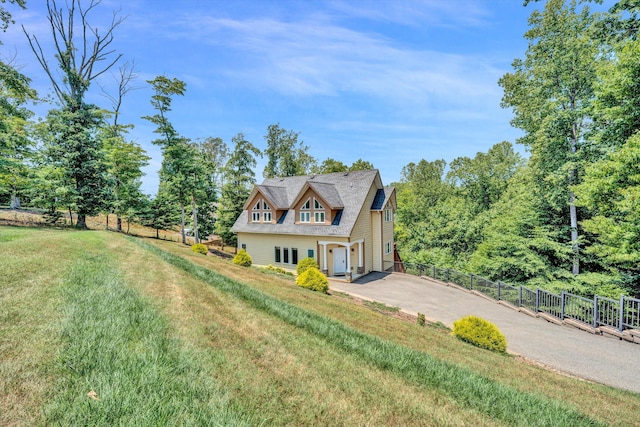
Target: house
x: 344, y: 220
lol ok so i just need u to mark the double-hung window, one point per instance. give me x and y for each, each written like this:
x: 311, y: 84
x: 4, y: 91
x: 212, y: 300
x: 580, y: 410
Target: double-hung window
x: 305, y: 214
x: 388, y: 215
x: 318, y: 214
x: 266, y: 217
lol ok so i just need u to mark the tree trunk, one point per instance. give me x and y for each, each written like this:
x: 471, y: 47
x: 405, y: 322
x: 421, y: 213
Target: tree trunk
x: 15, y: 201
x: 573, y: 212
x: 575, y: 269
x: 184, y: 237
x: 119, y: 223
x: 195, y: 218
x: 71, y: 216
x: 128, y: 225
x: 158, y: 233
x: 82, y: 221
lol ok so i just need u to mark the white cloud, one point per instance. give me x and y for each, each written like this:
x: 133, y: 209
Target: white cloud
x: 316, y: 57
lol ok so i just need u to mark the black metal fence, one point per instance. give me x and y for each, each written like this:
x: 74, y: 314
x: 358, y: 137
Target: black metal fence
x: 620, y: 314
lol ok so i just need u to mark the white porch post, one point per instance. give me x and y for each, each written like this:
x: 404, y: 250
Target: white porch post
x: 360, y: 266
x: 325, y: 269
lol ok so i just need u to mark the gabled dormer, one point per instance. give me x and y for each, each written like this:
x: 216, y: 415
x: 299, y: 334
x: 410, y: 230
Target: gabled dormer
x: 317, y: 203
x: 266, y: 204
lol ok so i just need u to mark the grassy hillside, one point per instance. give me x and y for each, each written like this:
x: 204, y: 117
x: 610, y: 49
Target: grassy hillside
x: 97, y: 328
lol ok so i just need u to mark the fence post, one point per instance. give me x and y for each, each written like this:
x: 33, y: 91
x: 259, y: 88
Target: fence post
x: 498, y: 290
x: 520, y: 297
x: 621, y: 321
x: 434, y: 272
x: 595, y: 311
x: 537, y: 300
x: 562, y: 306
x: 470, y: 281
x: 448, y: 270
x: 420, y: 269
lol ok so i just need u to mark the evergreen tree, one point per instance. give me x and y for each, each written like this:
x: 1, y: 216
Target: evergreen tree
x: 239, y: 179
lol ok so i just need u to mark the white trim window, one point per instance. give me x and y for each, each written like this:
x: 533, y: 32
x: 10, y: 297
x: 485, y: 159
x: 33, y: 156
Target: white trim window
x: 305, y: 216
x: 261, y: 210
x: 388, y: 248
x: 318, y: 214
x: 388, y: 215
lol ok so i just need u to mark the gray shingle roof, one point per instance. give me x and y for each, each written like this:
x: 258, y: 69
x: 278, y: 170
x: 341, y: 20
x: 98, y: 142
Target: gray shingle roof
x: 277, y: 195
x: 342, y: 190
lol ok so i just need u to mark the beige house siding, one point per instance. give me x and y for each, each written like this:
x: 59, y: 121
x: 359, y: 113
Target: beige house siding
x: 376, y: 243
x: 362, y: 230
x: 387, y: 236
x: 261, y: 247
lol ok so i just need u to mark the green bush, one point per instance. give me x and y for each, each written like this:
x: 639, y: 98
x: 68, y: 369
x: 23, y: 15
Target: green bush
x: 279, y: 270
x: 242, y: 258
x: 313, y: 279
x: 421, y: 320
x: 305, y: 264
x: 480, y: 333
x: 200, y: 248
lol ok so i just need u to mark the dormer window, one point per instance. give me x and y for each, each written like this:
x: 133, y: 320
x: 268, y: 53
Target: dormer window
x: 261, y: 212
x: 308, y: 212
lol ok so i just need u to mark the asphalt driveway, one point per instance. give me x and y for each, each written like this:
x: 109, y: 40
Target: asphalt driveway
x: 596, y: 358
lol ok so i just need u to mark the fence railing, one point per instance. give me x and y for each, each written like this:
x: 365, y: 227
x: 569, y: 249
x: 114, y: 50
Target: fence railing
x: 620, y: 314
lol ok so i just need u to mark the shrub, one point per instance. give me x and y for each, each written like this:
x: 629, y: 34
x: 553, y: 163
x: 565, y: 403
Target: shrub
x: 421, y: 320
x: 200, y: 248
x: 480, y: 333
x: 242, y: 258
x: 313, y: 279
x: 279, y: 270
x: 305, y: 264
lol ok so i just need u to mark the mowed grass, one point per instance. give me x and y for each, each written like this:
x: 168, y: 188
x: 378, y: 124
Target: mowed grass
x: 145, y: 336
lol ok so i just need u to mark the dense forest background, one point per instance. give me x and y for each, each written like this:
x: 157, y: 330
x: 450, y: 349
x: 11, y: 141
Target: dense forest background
x: 566, y: 217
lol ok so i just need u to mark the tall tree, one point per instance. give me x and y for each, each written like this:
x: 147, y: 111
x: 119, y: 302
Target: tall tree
x: 179, y: 160
x: 285, y: 155
x: 239, y: 179
x: 15, y: 146
x: 125, y: 159
x: 551, y: 92
x: 80, y: 56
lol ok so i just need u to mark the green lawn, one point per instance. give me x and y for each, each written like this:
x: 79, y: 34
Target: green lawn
x: 100, y: 329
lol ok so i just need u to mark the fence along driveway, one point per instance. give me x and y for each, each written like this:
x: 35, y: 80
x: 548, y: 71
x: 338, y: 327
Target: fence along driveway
x: 602, y: 359
x: 620, y: 318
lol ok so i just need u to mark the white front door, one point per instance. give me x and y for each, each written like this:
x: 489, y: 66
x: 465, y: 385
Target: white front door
x: 339, y: 261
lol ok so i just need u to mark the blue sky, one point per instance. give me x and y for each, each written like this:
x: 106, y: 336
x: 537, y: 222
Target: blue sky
x: 391, y: 82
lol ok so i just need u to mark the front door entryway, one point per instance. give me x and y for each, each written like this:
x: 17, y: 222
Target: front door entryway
x: 339, y: 261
